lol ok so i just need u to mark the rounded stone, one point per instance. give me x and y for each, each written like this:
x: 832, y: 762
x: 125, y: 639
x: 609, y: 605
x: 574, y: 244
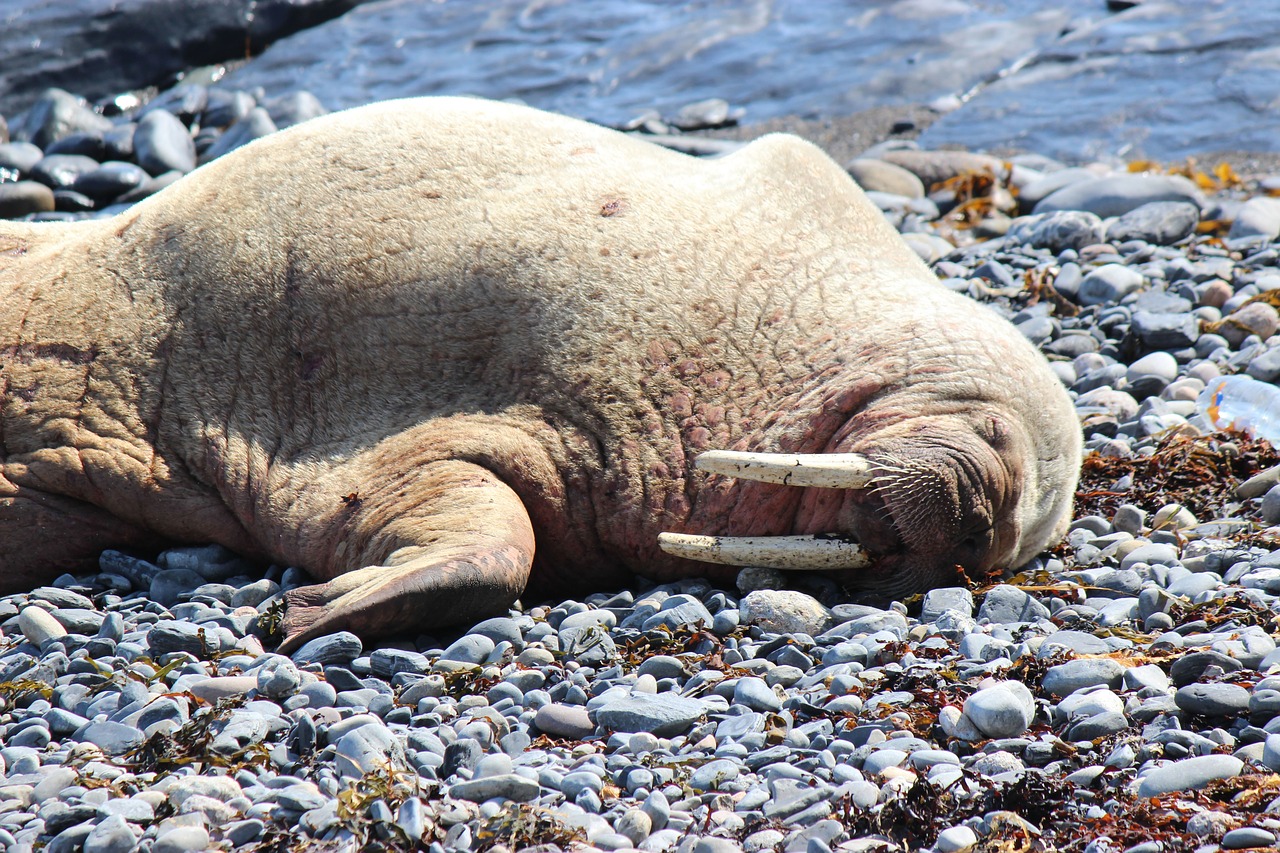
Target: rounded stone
x: 1189, y: 774
x: 162, y: 143
x: 1003, y: 710
x: 181, y: 839
x: 1066, y: 678
x: 566, y: 721
x: 785, y: 612
x: 756, y: 694
x: 39, y: 626
x: 878, y: 176
x: 1213, y: 700
x: 1247, y: 837
x: 20, y: 198
x: 1161, y: 223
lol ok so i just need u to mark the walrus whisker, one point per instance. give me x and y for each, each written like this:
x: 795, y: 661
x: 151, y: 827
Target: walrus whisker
x: 821, y: 470
x: 800, y: 553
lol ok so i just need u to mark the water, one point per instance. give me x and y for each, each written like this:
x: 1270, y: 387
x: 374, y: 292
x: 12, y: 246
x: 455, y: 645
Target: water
x: 1163, y: 80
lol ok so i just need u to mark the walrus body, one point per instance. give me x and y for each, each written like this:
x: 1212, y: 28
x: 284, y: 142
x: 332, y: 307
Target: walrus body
x: 397, y: 345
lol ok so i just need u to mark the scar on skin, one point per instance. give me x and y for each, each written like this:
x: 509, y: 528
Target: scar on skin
x: 27, y: 353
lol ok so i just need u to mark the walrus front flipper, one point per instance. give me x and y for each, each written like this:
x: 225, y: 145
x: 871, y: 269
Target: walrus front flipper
x: 454, y: 544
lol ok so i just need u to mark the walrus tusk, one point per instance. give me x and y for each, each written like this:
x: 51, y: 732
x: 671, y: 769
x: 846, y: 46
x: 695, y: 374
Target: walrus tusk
x: 801, y: 553
x: 823, y: 470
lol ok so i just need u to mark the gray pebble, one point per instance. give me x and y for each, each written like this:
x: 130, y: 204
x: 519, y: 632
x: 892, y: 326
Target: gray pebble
x: 340, y: 648
x: 567, y: 721
x: 1189, y: 774
x: 1162, y: 223
x: 1246, y: 837
x: 662, y: 714
x: 1004, y: 710
x: 162, y: 143
x: 1066, y: 678
x: 1007, y: 604
x: 1216, y: 699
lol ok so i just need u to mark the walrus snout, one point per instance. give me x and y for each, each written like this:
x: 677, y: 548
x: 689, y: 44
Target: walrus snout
x: 900, y: 522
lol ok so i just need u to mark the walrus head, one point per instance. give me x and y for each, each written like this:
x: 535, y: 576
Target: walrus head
x: 906, y: 507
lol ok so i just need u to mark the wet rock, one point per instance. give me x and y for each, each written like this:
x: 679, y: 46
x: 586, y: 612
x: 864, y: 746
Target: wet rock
x: 20, y: 198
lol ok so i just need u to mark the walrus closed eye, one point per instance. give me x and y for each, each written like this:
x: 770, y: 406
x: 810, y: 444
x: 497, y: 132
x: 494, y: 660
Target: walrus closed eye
x: 433, y: 351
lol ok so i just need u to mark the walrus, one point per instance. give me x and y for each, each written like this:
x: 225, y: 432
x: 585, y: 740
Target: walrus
x: 401, y: 345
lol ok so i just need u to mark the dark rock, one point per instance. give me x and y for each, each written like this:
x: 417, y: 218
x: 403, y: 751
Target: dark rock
x: 226, y: 107
x: 184, y: 102
x: 61, y: 170
x: 253, y: 126
x: 89, y: 143
x: 19, y: 198
x: 1160, y: 222
x: 19, y: 156
x: 57, y: 114
x: 149, y: 187
x: 72, y: 201
x: 109, y: 180
x: 102, y: 47
x: 1165, y: 331
x: 1189, y: 667
x: 162, y: 143
x: 119, y: 141
x: 293, y: 108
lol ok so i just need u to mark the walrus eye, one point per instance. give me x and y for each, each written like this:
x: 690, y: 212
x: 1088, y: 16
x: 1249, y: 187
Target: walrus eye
x: 823, y: 552
x: 820, y: 470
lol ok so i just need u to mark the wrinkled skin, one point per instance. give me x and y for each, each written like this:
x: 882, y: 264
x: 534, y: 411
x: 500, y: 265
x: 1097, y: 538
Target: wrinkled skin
x: 401, y: 345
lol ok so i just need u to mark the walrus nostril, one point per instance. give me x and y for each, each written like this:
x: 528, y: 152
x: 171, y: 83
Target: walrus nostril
x: 801, y: 553
x: 821, y: 470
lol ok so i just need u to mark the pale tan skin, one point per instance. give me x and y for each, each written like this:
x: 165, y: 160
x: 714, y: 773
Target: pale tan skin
x: 395, y: 346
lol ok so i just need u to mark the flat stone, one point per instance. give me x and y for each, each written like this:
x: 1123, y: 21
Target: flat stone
x: 470, y: 648
x: 1066, y: 678
x: 875, y: 175
x: 955, y: 839
x: 1257, y: 217
x: 368, y: 748
x: 181, y: 839
x: 1057, y: 231
x: 1189, y: 667
x: 1188, y: 774
x: 1161, y: 223
x: 223, y: 686
x: 1214, y: 700
x: 1116, y: 195
x: 1246, y: 837
x: 756, y: 694
x: 509, y: 786
x: 340, y: 648
x: 111, y: 738
x: 663, y: 714
x: 1108, y: 284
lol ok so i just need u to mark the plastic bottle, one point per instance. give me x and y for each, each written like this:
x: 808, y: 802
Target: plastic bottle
x: 1243, y: 403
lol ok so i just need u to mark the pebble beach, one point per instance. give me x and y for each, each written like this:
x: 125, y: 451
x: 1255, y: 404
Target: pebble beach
x: 1121, y: 693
